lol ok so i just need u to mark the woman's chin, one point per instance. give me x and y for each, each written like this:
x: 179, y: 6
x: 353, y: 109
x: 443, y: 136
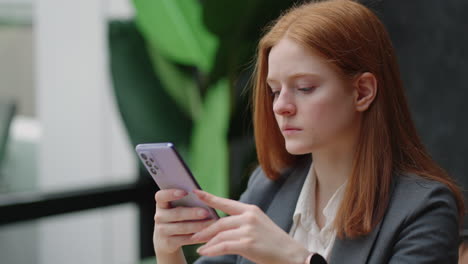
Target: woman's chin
x: 297, y: 149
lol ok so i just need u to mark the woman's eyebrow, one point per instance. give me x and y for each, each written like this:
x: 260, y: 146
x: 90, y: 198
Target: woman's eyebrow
x: 295, y: 76
x: 305, y: 74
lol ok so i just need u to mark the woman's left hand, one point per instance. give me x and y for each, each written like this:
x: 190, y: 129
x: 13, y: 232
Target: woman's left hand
x: 247, y: 232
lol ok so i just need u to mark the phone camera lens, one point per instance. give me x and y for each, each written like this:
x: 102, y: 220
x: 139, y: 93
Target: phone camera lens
x: 154, y: 171
x: 144, y: 156
x: 148, y: 163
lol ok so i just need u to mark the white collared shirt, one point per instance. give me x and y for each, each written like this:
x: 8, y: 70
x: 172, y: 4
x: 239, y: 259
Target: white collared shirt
x: 305, y: 229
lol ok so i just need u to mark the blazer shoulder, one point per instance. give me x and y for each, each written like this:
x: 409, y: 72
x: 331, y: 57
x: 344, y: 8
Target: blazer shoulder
x: 415, y: 189
x: 413, y: 194
x: 421, y: 215
x: 258, y: 177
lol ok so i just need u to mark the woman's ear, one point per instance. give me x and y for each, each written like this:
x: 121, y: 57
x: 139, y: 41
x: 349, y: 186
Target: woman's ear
x: 365, y: 90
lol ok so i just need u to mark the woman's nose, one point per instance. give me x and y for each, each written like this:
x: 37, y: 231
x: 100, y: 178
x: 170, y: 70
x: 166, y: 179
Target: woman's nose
x: 284, y: 104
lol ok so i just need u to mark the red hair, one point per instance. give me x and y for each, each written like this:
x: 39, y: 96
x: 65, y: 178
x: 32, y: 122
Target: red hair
x: 353, y: 40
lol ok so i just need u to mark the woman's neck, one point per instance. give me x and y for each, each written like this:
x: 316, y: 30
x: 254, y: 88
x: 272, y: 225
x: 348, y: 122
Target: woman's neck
x: 332, y: 169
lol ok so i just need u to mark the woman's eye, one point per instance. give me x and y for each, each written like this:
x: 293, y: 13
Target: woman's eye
x: 275, y: 93
x: 306, y: 89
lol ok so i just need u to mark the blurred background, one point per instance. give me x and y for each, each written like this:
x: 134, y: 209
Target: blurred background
x: 83, y: 82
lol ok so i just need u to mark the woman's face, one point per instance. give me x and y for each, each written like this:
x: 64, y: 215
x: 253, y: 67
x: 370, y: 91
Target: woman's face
x: 313, y: 106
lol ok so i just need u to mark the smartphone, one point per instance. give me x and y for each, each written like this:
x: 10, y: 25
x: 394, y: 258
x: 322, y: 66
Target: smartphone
x: 169, y: 171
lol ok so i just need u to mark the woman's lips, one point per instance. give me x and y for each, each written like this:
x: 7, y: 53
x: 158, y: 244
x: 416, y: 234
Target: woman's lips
x: 289, y: 131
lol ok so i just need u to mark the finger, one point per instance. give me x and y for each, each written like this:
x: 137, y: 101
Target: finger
x: 233, y: 234
x: 179, y: 214
x: 226, y: 205
x: 182, y: 228
x: 174, y: 242
x: 221, y: 225
x: 224, y: 248
x: 164, y: 197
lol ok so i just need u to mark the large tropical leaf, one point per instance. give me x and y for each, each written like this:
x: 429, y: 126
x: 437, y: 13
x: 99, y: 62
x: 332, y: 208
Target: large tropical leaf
x: 180, y: 85
x: 238, y: 26
x: 175, y: 28
x: 209, y: 147
x: 149, y: 113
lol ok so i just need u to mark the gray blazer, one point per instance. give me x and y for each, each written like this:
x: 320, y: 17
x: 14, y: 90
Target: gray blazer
x: 420, y: 225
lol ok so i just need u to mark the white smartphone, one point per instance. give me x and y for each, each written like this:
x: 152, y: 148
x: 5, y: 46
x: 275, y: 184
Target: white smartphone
x: 169, y: 171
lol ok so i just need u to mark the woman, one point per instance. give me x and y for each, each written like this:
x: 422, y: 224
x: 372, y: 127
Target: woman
x: 327, y: 89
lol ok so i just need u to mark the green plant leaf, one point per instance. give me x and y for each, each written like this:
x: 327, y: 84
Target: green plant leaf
x: 175, y: 28
x: 179, y: 85
x: 238, y: 26
x: 149, y: 113
x: 209, y: 147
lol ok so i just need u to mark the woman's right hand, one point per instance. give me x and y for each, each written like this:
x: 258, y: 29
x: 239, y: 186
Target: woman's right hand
x: 174, y: 226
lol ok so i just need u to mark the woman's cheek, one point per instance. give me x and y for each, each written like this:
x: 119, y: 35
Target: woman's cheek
x: 344, y: 117
x: 330, y: 119
x: 322, y: 116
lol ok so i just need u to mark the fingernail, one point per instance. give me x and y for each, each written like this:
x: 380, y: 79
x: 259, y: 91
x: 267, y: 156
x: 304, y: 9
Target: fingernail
x: 199, y: 250
x: 180, y: 193
x: 202, y: 213
x: 199, y: 193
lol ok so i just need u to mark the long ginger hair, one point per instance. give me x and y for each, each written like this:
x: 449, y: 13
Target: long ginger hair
x: 353, y: 40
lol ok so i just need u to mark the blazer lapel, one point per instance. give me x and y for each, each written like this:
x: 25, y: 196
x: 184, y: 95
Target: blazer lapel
x: 354, y: 251
x: 283, y: 204
x: 358, y: 250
